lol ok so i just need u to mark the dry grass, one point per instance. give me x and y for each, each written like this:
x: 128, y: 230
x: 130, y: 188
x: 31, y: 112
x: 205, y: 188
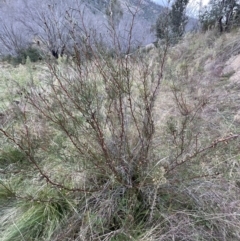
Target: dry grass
x: 188, y: 191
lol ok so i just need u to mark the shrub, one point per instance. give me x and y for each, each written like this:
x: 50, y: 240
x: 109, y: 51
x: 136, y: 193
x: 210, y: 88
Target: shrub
x: 106, y: 160
x: 32, y: 53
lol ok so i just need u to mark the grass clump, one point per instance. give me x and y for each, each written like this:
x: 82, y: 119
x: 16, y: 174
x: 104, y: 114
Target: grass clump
x: 37, y: 216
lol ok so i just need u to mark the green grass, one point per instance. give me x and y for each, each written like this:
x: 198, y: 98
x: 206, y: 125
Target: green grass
x: 37, y: 216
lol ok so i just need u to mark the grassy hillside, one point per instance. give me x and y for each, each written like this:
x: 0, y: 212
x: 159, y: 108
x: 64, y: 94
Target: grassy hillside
x: 141, y: 147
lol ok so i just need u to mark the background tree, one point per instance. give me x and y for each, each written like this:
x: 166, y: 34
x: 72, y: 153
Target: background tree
x: 171, y: 23
x: 114, y: 12
x: 221, y: 13
x: 12, y: 37
x: 178, y: 17
x: 162, y: 25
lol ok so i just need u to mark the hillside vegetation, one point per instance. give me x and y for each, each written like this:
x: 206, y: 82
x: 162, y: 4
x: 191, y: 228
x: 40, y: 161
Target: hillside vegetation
x: 141, y: 147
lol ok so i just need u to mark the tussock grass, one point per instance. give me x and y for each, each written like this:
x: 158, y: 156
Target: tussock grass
x: 37, y: 212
